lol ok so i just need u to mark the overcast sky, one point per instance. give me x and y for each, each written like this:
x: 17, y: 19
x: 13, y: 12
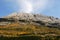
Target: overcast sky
x: 46, y: 7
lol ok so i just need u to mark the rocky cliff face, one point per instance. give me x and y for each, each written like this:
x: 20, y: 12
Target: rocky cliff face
x: 37, y: 19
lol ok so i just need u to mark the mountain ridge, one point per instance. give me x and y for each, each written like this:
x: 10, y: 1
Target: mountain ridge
x: 36, y: 18
x: 21, y: 24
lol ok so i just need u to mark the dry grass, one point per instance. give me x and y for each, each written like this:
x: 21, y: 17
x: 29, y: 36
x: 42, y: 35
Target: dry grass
x: 17, y: 29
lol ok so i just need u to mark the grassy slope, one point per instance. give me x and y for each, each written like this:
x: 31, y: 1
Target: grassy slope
x: 16, y: 29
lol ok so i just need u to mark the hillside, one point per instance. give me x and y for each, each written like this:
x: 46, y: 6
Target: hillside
x: 16, y: 29
x: 24, y: 24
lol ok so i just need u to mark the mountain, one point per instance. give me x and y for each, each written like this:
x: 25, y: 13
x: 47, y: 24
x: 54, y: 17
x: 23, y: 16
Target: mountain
x: 29, y: 24
x: 38, y: 19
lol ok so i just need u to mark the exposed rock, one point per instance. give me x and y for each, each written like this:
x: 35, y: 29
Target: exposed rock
x: 34, y: 18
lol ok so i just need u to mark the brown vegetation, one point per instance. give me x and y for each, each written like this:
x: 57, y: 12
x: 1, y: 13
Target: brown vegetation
x: 17, y: 29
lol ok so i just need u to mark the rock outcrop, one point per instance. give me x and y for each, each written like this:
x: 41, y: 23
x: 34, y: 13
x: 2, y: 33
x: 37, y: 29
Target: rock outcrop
x: 37, y: 19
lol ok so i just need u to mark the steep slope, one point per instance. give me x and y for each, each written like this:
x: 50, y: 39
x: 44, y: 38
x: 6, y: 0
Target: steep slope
x: 21, y: 24
x: 35, y: 18
x: 16, y: 30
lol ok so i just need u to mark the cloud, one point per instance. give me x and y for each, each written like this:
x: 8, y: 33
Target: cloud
x: 39, y: 5
x: 36, y: 6
x: 25, y: 6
